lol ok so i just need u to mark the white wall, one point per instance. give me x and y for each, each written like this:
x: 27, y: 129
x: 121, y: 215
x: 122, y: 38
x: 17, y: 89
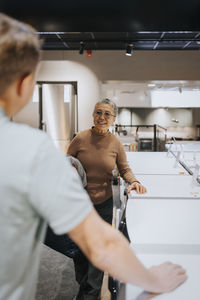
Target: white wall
x: 142, y: 65
x: 133, y: 99
x: 160, y: 116
x: 124, y: 116
x: 88, y: 85
x: 175, y: 99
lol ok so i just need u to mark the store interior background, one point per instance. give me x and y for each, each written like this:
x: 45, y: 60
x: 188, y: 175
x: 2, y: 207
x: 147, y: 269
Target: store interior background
x: 149, y: 87
x: 129, y: 81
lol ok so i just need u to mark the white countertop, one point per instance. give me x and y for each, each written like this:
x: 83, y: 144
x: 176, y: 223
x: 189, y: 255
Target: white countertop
x: 154, y: 163
x: 190, y: 290
x: 168, y: 186
x: 165, y: 230
x: 163, y: 221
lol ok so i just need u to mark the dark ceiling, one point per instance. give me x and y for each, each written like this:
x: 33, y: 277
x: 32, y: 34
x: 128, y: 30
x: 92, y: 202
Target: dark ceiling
x: 120, y: 40
x: 111, y: 25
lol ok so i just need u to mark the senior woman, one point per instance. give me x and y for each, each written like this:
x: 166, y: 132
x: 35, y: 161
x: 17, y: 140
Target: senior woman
x: 99, y: 151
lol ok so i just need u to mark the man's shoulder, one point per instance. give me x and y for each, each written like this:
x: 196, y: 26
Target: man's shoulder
x: 28, y: 130
x: 28, y: 136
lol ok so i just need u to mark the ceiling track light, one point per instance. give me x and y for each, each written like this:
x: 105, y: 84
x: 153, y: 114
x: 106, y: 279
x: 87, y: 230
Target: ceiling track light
x: 82, y: 47
x: 129, y: 49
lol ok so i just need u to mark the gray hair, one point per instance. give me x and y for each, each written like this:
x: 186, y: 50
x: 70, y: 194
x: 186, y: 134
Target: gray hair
x: 109, y: 102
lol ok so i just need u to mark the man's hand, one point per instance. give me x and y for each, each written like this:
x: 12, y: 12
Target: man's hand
x: 140, y: 189
x: 169, y: 276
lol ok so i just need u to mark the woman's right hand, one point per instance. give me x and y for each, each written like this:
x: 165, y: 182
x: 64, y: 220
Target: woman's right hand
x: 140, y: 189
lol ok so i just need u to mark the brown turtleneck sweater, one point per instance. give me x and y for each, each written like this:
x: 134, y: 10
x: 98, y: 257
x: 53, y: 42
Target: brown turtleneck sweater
x: 99, y: 153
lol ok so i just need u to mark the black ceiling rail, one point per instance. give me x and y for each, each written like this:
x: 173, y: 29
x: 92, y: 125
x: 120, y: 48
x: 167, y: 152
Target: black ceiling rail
x: 70, y: 40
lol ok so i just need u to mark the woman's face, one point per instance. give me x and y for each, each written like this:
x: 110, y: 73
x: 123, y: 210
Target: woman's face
x: 103, y: 116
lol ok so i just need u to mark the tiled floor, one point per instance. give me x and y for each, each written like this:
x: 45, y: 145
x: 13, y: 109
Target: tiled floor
x: 56, y: 277
x: 57, y: 280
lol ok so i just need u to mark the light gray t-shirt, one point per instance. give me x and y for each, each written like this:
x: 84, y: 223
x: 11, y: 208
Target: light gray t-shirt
x: 37, y: 185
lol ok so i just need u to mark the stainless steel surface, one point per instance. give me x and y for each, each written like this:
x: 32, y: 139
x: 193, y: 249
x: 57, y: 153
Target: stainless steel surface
x: 59, y: 112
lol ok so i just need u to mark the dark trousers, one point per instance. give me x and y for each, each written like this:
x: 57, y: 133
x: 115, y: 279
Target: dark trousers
x: 88, y: 276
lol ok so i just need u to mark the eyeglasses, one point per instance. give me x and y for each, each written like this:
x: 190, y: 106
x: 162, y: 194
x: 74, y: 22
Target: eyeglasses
x: 106, y: 114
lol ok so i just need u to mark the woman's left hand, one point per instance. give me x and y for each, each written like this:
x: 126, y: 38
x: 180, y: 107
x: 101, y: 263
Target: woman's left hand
x: 140, y: 189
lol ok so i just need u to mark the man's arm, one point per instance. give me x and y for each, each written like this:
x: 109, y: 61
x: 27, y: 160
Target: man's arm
x: 109, y: 251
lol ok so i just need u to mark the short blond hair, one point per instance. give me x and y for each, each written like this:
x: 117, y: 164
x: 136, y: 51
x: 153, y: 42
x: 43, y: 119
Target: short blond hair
x: 19, y: 51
